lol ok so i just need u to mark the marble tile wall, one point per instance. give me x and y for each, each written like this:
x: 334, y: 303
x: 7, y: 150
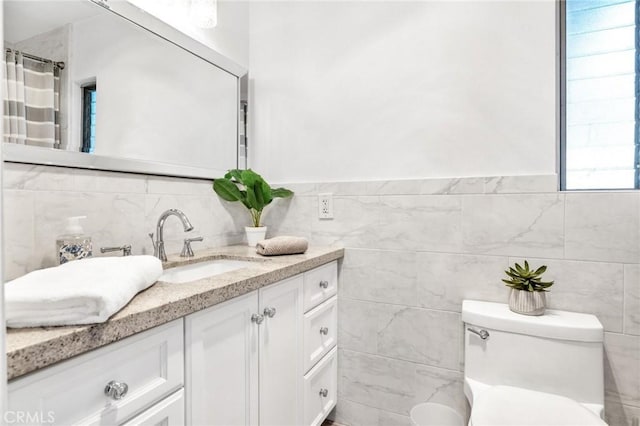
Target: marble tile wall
x: 417, y: 248
x: 121, y: 208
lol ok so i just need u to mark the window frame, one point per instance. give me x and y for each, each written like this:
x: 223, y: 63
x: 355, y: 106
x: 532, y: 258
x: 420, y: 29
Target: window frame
x: 562, y: 96
x: 562, y: 88
x: 86, y: 115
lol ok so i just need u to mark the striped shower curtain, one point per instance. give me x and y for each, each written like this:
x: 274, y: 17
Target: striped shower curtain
x: 31, y: 102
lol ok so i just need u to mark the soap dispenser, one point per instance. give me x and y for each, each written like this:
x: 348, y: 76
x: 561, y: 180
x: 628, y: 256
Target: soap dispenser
x: 74, y: 244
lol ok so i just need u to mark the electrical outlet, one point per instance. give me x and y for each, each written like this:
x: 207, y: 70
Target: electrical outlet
x: 325, y: 206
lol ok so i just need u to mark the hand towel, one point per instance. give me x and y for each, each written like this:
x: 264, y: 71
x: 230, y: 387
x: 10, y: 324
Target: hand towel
x: 282, y: 245
x: 80, y: 292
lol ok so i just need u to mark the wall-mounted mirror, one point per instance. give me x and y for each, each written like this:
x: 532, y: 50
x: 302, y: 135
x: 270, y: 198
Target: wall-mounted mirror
x: 107, y: 86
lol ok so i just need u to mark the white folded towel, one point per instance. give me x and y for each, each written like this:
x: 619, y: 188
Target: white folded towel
x: 80, y: 292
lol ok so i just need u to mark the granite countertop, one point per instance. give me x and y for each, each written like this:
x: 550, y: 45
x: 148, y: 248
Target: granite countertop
x: 29, y: 349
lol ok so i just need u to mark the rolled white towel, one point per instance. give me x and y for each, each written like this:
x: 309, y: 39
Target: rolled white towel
x: 80, y: 292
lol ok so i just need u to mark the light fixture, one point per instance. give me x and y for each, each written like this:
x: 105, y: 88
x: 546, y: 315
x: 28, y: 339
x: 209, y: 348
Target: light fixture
x: 204, y: 13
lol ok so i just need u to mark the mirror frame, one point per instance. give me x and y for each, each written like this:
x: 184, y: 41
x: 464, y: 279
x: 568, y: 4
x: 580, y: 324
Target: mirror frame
x: 53, y: 157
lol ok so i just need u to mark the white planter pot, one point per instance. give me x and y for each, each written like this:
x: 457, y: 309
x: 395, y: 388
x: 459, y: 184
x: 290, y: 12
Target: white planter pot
x: 527, y: 302
x: 255, y: 234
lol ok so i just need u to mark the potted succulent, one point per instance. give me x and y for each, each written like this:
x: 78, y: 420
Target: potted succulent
x: 527, y: 295
x: 254, y: 193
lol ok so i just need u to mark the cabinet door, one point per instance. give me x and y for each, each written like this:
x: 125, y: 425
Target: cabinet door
x: 168, y: 412
x: 281, y: 354
x: 222, y: 364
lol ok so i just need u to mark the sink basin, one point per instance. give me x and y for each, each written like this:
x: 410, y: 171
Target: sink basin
x: 197, y: 271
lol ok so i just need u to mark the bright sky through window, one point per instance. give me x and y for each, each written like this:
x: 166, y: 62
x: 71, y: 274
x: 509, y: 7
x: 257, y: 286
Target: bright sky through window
x: 600, y: 126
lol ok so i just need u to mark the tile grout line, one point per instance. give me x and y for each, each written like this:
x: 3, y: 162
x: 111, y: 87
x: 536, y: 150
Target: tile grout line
x: 390, y: 358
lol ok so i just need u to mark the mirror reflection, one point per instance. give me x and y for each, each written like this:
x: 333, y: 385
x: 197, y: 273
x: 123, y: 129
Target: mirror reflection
x: 82, y: 79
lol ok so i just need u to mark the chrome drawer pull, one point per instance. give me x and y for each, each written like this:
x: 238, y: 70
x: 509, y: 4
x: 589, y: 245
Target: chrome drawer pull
x: 324, y: 284
x: 116, y: 390
x: 257, y: 318
x: 484, y: 334
x: 324, y: 330
x: 324, y: 393
x: 269, y: 312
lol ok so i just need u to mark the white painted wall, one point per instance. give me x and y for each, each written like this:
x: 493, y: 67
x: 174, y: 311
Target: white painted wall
x: 386, y: 90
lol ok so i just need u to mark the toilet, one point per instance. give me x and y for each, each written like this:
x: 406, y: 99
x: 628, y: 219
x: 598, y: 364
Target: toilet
x: 532, y: 370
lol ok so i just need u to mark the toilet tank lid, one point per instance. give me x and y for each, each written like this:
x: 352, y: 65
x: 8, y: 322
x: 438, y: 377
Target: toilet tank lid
x: 553, y: 324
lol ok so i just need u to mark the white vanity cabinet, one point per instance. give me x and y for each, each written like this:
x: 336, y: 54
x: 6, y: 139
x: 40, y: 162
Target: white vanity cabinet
x: 265, y: 358
x: 261, y: 360
x: 168, y: 412
x: 320, y: 379
x: 150, y: 365
x: 243, y: 359
x: 320, y: 284
x: 281, y: 353
x: 221, y: 363
x: 320, y: 332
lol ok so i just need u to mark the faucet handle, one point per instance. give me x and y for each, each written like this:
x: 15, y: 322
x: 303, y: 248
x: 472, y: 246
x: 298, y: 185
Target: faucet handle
x: 126, y: 249
x: 187, y: 251
x: 153, y: 244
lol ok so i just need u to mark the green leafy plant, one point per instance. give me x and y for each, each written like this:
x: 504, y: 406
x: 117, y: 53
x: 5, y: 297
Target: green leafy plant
x: 527, y: 279
x: 250, y: 189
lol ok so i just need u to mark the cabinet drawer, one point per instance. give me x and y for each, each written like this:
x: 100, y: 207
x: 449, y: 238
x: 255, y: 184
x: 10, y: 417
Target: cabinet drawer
x: 73, y: 392
x: 320, y: 389
x: 320, y: 284
x: 320, y: 331
x: 168, y: 412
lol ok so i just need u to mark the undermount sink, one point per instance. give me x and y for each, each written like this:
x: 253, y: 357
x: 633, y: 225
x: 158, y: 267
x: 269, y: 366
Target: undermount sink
x: 197, y: 271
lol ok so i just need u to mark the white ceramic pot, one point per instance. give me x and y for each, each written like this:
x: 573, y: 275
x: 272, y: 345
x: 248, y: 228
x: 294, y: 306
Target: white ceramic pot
x: 527, y: 302
x: 255, y: 234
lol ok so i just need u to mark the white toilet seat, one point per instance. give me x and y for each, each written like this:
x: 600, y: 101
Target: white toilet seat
x: 512, y: 406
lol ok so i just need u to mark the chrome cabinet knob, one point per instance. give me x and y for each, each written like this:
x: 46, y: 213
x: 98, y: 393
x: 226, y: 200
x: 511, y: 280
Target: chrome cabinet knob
x: 257, y: 318
x: 269, y: 312
x: 324, y: 393
x: 116, y: 390
x: 324, y: 330
x: 324, y: 284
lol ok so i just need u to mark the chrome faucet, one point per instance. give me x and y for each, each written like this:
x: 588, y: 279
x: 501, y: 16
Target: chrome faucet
x: 158, y: 244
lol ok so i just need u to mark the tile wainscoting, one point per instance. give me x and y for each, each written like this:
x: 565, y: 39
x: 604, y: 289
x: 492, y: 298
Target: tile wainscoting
x: 417, y: 248
x: 121, y: 208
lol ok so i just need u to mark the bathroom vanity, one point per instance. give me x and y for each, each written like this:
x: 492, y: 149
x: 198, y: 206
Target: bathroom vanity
x: 256, y: 345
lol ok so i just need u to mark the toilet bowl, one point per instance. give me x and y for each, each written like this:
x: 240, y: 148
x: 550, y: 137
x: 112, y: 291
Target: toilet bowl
x: 532, y: 371
x: 509, y: 406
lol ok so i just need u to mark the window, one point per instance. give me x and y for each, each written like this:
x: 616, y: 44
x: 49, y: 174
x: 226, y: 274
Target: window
x: 89, y: 118
x: 599, y: 92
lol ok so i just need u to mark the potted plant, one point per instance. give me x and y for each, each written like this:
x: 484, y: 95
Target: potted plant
x: 254, y: 193
x: 527, y: 295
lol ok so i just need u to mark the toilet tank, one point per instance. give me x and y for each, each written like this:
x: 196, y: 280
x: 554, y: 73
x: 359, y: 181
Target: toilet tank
x: 558, y: 352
